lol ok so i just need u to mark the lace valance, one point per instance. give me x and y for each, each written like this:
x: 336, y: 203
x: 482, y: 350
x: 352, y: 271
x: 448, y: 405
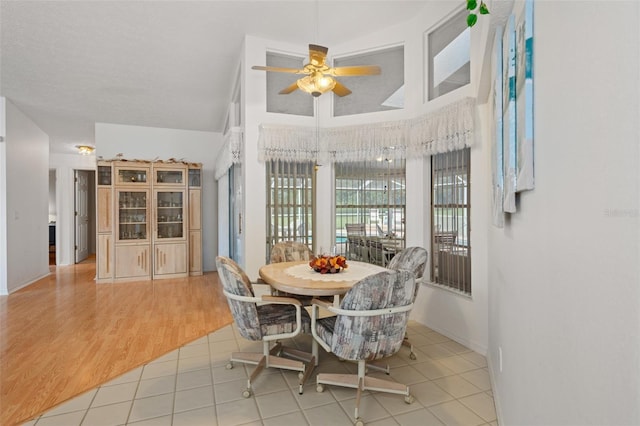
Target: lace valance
x: 230, y: 153
x: 445, y: 129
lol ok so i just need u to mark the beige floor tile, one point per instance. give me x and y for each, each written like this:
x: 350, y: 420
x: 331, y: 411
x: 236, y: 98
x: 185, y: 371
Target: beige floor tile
x: 454, y: 413
x: 421, y: 417
x: 113, y: 394
x: 429, y: 394
x: 192, y: 350
x: 171, y: 356
x: 192, y: 399
x: 268, y: 383
x: 200, y: 362
x: 475, y: 358
x: 480, y: 378
x: 458, y: 364
x: 157, y: 386
x: 276, y: 403
x: 237, y: 412
x: 229, y: 391
x: 156, y: 421
x: 193, y: 379
x: 154, y: 406
x: 115, y: 414
x: 455, y: 347
x: 223, y: 374
x: 296, y: 419
x: 433, y: 369
x: 166, y: 368
x: 79, y: 403
x: 406, y: 375
x: 328, y: 415
x: 435, y: 351
x: 457, y: 386
x: 310, y: 398
x: 370, y: 409
x: 201, y: 416
x: 435, y: 337
x: 67, y: 419
x: 395, y: 404
x: 482, y: 405
x: 389, y: 421
x: 225, y: 333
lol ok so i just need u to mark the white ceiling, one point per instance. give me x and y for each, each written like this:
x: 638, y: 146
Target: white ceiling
x: 70, y: 64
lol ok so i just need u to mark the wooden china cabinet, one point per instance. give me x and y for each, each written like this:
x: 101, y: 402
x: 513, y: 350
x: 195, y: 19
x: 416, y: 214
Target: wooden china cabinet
x: 144, y: 211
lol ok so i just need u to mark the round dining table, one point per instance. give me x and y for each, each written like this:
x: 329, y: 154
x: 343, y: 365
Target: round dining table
x: 299, y: 278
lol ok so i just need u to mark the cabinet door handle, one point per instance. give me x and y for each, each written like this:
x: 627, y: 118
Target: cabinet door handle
x: 108, y: 258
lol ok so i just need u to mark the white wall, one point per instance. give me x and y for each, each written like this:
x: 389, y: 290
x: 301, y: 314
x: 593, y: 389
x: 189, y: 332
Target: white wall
x: 149, y: 143
x: 26, y: 164
x: 564, y: 303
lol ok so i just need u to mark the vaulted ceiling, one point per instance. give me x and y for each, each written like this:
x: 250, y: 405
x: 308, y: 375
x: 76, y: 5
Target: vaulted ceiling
x: 70, y: 64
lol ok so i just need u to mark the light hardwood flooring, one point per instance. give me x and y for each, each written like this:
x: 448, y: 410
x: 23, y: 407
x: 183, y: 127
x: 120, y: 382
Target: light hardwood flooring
x: 65, y: 334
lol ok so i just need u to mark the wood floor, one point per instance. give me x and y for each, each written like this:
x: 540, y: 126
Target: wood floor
x: 65, y: 334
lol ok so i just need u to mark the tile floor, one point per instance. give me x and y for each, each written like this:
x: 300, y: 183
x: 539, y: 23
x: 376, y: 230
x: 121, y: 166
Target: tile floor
x: 191, y: 386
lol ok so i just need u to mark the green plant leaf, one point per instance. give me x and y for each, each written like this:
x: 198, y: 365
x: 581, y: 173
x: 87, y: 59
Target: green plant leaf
x: 484, y: 10
x: 472, y: 19
x: 471, y: 4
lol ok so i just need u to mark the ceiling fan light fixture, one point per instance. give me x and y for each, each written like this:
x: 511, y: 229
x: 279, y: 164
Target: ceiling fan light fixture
x: 316, y: 84
x: 85, y: 149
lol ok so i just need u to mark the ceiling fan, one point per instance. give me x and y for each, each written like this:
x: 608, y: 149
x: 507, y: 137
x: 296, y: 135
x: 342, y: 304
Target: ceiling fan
x: 319, y: 76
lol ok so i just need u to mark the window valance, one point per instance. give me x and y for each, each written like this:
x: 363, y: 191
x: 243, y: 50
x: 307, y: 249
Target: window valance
x: 230, y: 153
x: 446, y: 129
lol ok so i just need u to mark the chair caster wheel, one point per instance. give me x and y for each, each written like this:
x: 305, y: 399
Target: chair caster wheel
x: 319, y: 388
x: 409, y: 399
x: 229, y: 366
x: 300, y: 375
x: 412, y: 356
x: 246, y: 393
x: 359, y: 422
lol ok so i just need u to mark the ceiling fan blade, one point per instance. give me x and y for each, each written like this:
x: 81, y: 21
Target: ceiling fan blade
x: 279, y: 69
x: 317, y: 54
x: 354, y: 70
x: 288, y: 89
x: 340, y: 89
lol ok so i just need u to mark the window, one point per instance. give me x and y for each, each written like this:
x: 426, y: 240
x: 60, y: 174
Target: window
x: 449, y: 57
x: 450, y: 204
x: 296, y: 102
x: 290, y: 202
x: 372, y: 93
x: 371, y: 195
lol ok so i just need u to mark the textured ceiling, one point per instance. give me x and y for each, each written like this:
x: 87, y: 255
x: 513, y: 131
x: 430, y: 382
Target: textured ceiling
x: 69, y: 64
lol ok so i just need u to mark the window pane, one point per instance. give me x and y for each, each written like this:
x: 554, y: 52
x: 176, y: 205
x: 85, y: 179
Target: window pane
x: 297, y: 102
x: 450, y: 247
x: 374, y: 92
x: 449, y: 56
x: 370, y: 209
x: 290, y: 203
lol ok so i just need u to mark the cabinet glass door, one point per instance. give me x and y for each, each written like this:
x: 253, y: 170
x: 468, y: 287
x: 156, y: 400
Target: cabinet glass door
x: 170, y: 214
x: 132, y: 176
x: 104, y: 175
x: 132, y: 215
x: 169, y: 176
x: 194, y: 178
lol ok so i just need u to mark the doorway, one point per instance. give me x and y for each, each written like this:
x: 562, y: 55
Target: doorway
x: 84, y: 214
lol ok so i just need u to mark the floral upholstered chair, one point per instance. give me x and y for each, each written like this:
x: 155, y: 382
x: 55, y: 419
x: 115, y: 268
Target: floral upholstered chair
x: 289, y: 251
x: 275, y: 318
x: 412, y: 259
x: 370, y: 324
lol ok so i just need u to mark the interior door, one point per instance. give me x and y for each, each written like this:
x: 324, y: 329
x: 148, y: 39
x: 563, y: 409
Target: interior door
x: 82, y: 215
x: 235, y: 212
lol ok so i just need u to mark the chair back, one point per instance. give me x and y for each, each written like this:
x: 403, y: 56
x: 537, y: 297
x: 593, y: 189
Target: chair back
x: 373, y: 337
x: 235, y: 281
x: 355, y: 229
x: 289, y: 251
x: 413, y: 259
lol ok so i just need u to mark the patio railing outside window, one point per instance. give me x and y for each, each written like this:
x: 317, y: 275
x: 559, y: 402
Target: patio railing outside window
x: 450, y: 205
x: 290, y: 202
